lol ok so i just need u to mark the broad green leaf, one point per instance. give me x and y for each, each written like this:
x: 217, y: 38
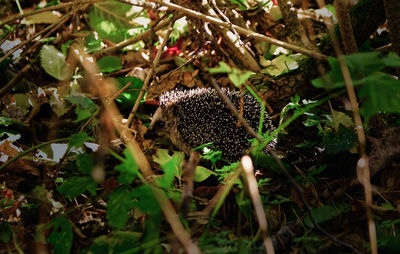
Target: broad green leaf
x: 77, y: 140
x: 239, y: 77
x: 85, y: 107
x: 5, y: 121
x: 170, y: 164
x: 61, y: 235
x: 112, y: 20
x: 92, y: 44
x: 281, y: 65
x: 85, y: 163
x: 202, y: 173
x: 128, y: 169
x: 392, y: 60
x: 339, y: 141
x: 128, y: 98
x: 5, y: 232
x: 118, y: 206
x: 361, y: 66
x: 76, y: 185
x: 324, y: 213
x: 53, y: 62
x: 117, y: 242
x: 380, y: 93
x: 340, y: 118
x: 222, y: 68
x: 145, y: 200
x: 48, y: 17
x: 242, y: 4
x: 109, y: 64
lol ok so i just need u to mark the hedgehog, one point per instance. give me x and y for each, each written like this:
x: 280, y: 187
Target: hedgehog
x: 190, y: 118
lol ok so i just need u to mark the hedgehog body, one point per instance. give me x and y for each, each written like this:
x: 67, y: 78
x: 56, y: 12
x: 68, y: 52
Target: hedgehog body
x: 194, y: 117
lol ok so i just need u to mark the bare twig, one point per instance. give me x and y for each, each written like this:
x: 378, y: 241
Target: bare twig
x: 242, y: 30
x: 248, y: 169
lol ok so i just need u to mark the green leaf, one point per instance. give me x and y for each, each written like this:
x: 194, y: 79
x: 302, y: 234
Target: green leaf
x: 117, y: 242
x: 242, y: 4
x: 77, y: 140
x: 109, y: 64
x: 324, y: 213
x: 145, y: 200
x: 112, y: 20
x: 53, y: 62
x: 392, y: 60
x: 128, y: 98
x: 364, y: 63
x: 5, y: 232
x: 281, y: 65
x: 381, y: 93
x: 85, y: 163
x: 239, y: 77
x: 61, y: 235
x: 202, y: 173
x: 340, y: 118
x: 92, y: 44
x: 118, y: 206
x: 170, y: 164
x: 5, y: 121
x: 222, y: 68
x: 85, y: 107
x: 339, y: 141
x: 361, y: 66
x: 76, y: 185
x: 128, y: 169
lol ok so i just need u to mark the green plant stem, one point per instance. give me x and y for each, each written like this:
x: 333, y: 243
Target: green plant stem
x: 262, y: 114
x: 2, y: 167
x: 298, y: 113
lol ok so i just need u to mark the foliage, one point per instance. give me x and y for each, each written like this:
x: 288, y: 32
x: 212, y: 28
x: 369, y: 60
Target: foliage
x: 77, y: 174
x: 53, y: 62
x: 379, y: 91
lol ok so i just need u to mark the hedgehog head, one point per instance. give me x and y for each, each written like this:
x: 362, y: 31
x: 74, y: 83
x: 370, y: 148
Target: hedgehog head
x: 165, y: 124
